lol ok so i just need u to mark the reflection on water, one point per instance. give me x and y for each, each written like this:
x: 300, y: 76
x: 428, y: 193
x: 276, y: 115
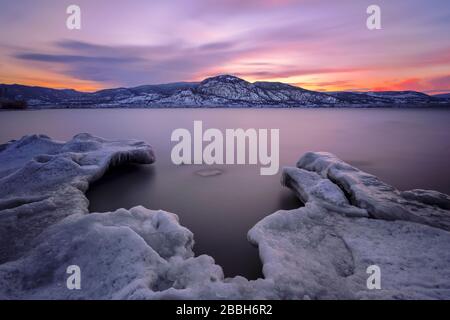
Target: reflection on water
x: 209, y: 172
x: 406, y: 148
x: 214, y: 208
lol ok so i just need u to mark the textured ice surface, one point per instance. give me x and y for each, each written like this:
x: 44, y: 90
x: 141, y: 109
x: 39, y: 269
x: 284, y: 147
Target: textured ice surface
x: 381, y: 200
x: 350, y: 220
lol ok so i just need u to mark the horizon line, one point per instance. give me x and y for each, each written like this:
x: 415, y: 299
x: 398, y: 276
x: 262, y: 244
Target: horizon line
x: 356, y: 90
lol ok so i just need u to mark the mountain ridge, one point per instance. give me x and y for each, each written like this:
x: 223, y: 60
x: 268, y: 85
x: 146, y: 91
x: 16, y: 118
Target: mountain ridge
x: 218, y: 91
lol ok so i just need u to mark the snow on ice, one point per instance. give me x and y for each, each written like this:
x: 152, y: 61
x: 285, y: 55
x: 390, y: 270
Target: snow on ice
x: 350, y: 221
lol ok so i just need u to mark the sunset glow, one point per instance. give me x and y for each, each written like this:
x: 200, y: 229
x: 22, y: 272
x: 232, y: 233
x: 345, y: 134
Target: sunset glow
x: 319, y: 46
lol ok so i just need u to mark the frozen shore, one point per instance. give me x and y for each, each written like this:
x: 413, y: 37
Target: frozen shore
x: 350, y: 221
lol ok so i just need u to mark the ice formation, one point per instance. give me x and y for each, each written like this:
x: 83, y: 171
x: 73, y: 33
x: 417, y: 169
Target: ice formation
x: 381, y: 200
x: 350, y: 221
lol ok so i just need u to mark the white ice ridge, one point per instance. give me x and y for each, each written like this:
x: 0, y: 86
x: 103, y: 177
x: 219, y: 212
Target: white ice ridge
x: 319, y: 251
x: 381, y: 200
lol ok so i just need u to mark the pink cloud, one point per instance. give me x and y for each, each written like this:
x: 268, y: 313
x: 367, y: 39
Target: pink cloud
x: 428, y: 85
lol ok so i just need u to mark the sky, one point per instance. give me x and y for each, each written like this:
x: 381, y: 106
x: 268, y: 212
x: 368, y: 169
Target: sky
x: 317, y: 45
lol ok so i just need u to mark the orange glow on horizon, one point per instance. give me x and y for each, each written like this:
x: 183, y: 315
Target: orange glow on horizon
x: 403, y: 85
x: 78, y: 85
x: 315, y: 82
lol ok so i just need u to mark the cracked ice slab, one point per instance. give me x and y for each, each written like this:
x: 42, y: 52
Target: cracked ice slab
x: 381, y: 200
x: 316, y: 253
x: 121, y: 254
x: 322, y: 250
x: 311, y: 187
x: 43, y: 180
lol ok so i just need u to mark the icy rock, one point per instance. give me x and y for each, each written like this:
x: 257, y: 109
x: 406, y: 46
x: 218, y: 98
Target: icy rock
x: 430, y: 197
x: 119, y: 253
x: 126, y: 254
x: 309, y: 186
x: 42, y: 181
x: 316, y: 253
x: 323, y: 250
x: 381, y: 200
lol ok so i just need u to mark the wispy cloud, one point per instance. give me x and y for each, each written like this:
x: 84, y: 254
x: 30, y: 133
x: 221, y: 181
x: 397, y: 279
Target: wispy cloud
x: 132, y: 65
x: 323, y: 45
x: 281, y: 72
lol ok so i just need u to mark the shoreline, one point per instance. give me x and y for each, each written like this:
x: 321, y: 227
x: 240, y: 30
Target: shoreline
x: 396, y: 107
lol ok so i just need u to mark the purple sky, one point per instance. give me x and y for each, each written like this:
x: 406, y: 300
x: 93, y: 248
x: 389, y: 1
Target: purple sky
x: 320, y: 45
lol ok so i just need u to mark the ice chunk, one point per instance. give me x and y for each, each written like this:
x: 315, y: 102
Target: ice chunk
x: 381, y: 200
x: 319, y: 254
x: 310, y: 187
x: 43, y: 181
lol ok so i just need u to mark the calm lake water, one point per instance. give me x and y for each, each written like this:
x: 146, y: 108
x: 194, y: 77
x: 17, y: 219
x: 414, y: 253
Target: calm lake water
x: 406, y: 148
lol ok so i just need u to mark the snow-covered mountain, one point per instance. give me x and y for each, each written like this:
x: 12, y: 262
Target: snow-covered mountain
x: 442, y: 96
x: 219, y: 91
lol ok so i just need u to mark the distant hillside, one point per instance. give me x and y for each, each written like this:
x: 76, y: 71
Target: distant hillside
x: 219, y: 91
x: 8, y: 103
x: 443, y: 96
